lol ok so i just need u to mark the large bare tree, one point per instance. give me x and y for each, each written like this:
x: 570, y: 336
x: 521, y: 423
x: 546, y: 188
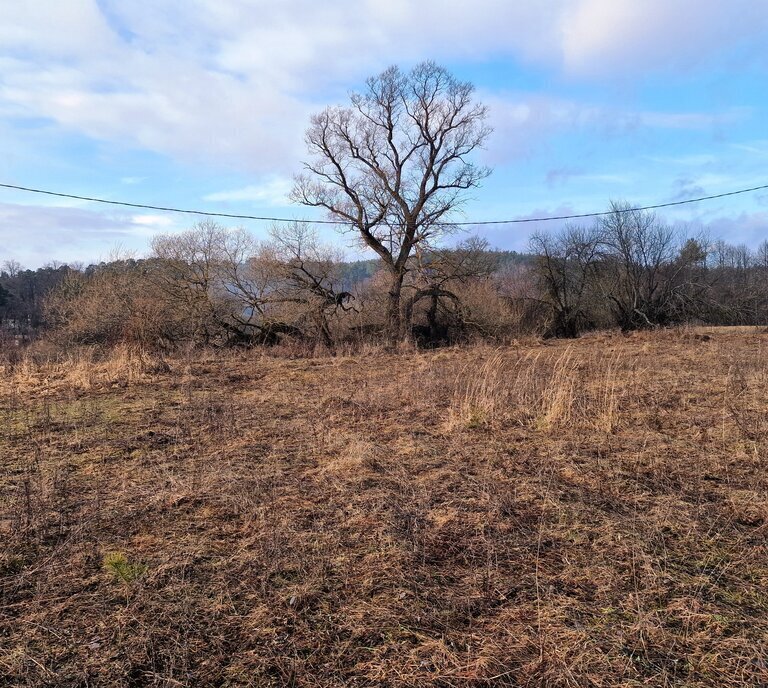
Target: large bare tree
x: 394, y: 165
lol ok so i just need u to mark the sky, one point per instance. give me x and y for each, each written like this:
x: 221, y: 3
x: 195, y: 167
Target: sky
x: 204, y: 104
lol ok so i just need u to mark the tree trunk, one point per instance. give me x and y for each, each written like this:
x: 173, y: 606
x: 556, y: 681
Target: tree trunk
x: 324, y: 330
x: 395, y: 321
x: 432, y: 319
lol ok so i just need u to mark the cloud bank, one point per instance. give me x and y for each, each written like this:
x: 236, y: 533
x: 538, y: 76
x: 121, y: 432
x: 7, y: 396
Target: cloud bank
x: 233, y: 82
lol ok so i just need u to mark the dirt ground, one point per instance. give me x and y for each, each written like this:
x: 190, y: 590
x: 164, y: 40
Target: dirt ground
x: 559, y: 513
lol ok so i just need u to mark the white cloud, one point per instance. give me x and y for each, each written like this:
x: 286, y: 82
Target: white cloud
x: 227, y: 82
x: 750, y: 228
x: 522, y: 122
x: 66, y: 29
x: 163, y: 105
x: 562, y: 175
x: 692, y: 160
x: 754, y: 148
x: 613, y: 37
x: 153, y: 221
x: 273, y: 191
x: 693, y: 121
x: 72, y: 234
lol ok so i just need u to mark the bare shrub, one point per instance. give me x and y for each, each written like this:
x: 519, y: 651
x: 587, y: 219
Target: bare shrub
x: 488, y: 313
x: 119, y: 303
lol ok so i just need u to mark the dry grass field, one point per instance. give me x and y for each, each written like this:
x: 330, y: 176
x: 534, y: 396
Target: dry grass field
x: 586, y: 513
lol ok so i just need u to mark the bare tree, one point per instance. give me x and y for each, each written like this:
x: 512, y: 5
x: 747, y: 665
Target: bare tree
x: 11, y: 268
x: 235, y: 290
x: 639, y: 249
x: 394, y: 165
x: 306, y: 273
x: 739, y: 285
x: 566, y: 266
x: 5, y: 297
x: 690, y: 282
x: 437, y: 276
x: 204, y: 271
x: 761, y: 255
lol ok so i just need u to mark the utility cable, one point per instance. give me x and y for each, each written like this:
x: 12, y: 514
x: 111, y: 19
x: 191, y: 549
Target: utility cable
x: 335, y: 222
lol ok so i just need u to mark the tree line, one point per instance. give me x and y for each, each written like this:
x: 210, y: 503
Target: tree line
x: 23, y: 295
x: 216, y: 286
x: 632, y: 271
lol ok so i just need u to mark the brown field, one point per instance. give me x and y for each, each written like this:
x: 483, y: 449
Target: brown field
x: 586, y: 513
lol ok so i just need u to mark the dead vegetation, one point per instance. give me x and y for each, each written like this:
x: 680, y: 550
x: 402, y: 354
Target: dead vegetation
x: 586, y: 513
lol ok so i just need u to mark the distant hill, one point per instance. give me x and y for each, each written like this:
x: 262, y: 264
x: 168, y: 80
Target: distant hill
x: 356, y: 271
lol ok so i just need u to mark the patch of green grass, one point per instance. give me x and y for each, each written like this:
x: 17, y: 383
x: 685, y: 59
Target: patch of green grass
x: 121, y: 568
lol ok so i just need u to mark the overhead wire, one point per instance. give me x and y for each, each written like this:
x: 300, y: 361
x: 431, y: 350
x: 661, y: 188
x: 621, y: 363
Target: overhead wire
x: 521, y: 220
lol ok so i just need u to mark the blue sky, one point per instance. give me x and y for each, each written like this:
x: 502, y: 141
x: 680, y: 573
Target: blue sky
x: 203, y: 104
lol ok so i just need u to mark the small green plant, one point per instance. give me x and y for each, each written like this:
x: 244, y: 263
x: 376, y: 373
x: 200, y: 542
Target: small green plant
x: 118, y: 565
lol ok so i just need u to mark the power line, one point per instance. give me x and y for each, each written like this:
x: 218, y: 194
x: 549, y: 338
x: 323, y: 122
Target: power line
x: 334, y: 222
x: 164, y: 209
x: 617, y: 210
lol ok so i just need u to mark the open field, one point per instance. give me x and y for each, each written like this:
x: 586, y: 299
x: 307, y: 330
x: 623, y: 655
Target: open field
x: 586, y: 513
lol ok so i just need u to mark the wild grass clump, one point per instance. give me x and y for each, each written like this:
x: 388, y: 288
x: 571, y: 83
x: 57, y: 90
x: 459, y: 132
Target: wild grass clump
x: 84, y: 368
x: 542, y: 390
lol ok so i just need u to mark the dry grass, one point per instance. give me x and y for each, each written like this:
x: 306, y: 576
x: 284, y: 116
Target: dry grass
x: 591, y: 513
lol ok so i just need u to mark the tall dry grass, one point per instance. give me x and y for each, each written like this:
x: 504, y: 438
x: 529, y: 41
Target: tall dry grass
x: 542, y: 389
x: 81, y: 368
